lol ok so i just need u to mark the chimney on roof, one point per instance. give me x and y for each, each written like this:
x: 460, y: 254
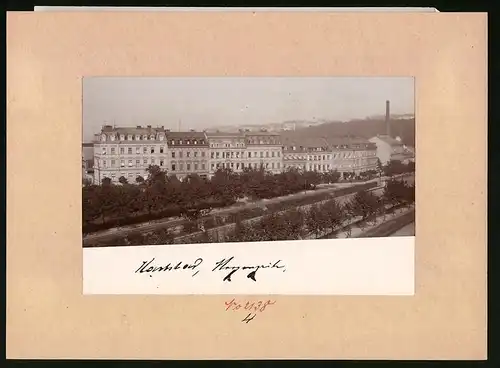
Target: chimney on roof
x: 149, y: 126
x: 387, y: 118
x: 138, y: 126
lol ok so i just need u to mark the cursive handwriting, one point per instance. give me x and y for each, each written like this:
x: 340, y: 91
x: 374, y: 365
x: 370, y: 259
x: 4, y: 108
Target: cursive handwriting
x: 252, y: 307
x: 169, y: 267
x: 224, y: 265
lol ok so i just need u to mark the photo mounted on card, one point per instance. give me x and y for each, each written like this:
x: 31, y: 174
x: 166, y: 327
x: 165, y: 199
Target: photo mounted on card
x: 226, y: 185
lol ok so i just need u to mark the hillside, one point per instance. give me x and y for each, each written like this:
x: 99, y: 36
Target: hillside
x: 404, y: 128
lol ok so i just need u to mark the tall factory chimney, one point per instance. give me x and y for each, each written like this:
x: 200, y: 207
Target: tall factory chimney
x: 387, y: 118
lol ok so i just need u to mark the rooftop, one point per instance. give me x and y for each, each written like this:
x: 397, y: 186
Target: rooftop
x: 389, y: 140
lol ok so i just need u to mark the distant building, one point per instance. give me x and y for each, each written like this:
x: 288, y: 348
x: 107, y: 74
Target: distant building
x: 389, y: 149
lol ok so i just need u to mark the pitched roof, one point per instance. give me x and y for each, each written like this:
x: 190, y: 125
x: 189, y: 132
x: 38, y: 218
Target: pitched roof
x: 224, y: 134
x: 187, y: 135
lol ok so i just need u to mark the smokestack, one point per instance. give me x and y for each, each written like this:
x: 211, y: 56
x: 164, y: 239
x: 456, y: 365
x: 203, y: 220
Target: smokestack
x: 387, y: 118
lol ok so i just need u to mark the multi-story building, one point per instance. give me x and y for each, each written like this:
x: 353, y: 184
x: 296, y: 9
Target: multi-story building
x: 309, y: 154
x: 352, y: 155
x: 188, y: 154
x: 264, y: 149
x: 128, y: 152
x: 227, y: 150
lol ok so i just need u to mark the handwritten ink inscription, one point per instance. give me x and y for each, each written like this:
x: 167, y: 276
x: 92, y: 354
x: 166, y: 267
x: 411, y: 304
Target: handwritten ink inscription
x: 252, y: 308
x: 225, y: 265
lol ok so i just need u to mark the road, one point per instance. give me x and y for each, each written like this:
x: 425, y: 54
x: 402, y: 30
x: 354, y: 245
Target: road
x: 391, y: 227
x: 224, y: 229
x: 408, y: 230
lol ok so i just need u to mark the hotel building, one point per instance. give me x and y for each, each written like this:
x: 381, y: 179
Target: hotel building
x: 264, y: 149
x: 188, y: 154
x: 128, y: 152
x: 227, y: 150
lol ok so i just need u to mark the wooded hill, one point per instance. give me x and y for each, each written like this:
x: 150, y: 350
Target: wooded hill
x: 404, y: 128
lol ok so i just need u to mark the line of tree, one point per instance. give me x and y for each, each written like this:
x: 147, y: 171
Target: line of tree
x: 329, y: 217
x: 162, y: 195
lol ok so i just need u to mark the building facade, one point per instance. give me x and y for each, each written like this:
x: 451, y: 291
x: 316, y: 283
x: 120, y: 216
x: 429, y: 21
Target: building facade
x: 264, y: 149
x: 128, y: 152
x: 227, y: 150
x: 188, y: 154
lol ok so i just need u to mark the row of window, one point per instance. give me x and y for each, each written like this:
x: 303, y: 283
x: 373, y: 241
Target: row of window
x: 232, y: 154
x: 328, y: 157
x: 180, y: 154
x: 242, y: 165
x: 131, y: 150
x: 189, y: 167
x: 152, y: 137
x: 130, y: 163
x: 226, y: 145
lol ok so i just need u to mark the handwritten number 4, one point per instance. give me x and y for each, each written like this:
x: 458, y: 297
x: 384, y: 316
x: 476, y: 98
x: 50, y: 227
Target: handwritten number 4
x: 247, y: 319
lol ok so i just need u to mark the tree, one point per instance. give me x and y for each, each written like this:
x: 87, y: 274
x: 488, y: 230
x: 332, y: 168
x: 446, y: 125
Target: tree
x: 333, y: 214
x: 139, y: 179
x: 86, y: 182
x: 106, y: 181
x: 364, y: 204
x: 315, y: 220
x: 123, y: 180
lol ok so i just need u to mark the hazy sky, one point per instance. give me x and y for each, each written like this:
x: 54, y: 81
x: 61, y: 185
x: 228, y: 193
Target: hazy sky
x: 200, y: 103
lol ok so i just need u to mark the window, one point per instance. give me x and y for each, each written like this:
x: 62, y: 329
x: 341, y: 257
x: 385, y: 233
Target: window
x: 161, y: 149
x: 278, y: 165
x: 213, y: 166
x: 195, y: 142
x: 267, y: 165
x: 152, y: 150
x: 180, y: 141
x: 173, y: 154
x: 261, y: 154
x: 217, y: 154
x: 195, y: 154
x: 242, y: 165
x: 152, y: 161
x: 145, y: 150
x: 237, y: 165
x: 129, y: 163
x: 195, y: 167
x: 138, y: 150
x: 272, y: 165
x: 249, y: 154
x: 203, y: 166
x: 172, y: 142
x: 212, y: 155
x: 129, y: 150
x: 161, y: 162
x: 188, y: 141
x: 122, y: 163
x: 267, y: 153
x: 113, y: 163
x: 272, y: 154
x: 173, y: 167
x: 232, y: 165
x: 104, y: 163
x: 188, y: 154
x: 112, y: 150
x: 137, y: 163
x: 145, y: 162
x: 180, y: 154
x: 103, y: 150
x: 113, y: 175
x: 181, y: 166
x: 203, y: 154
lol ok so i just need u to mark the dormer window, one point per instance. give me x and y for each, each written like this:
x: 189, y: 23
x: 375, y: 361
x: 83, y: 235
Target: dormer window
x: 103, y: 137
x: 129, y: 137
x: 112, y: 137
x: 161, y: 137
x: 180, y: 141
x: 137, y: 137
x: 187, y: 142
x: 172, y: 142
x: 195, y: 142
x: 145, y: 137
x: 152, y: 137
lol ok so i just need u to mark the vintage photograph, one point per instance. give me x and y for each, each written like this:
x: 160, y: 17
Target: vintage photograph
x: 209, y: 160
